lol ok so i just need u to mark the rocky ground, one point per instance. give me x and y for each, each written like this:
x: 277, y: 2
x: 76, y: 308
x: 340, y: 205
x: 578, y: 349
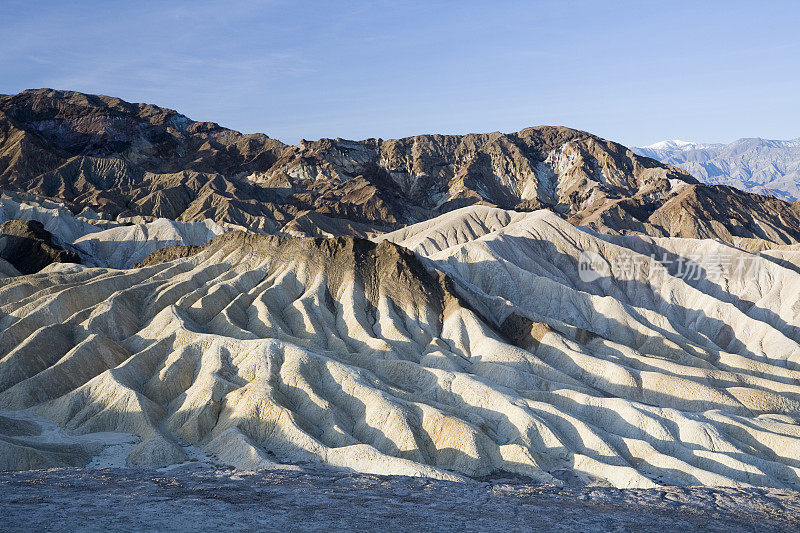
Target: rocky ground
x: 327, y: 499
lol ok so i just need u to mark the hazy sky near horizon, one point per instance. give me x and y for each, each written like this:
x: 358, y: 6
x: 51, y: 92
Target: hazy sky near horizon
x: 632, y: 71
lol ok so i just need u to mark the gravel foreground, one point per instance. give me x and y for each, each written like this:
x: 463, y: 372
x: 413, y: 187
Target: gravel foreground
x: 313, y: 499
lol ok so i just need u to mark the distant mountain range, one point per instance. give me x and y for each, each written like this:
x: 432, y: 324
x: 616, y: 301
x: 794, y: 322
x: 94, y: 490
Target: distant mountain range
x: 761, y: 166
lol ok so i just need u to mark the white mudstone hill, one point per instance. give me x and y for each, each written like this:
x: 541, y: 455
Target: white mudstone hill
x: 470, y: 345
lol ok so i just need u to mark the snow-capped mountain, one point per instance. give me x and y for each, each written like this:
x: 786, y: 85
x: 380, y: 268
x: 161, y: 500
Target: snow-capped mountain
x: 757, y: 165
x: 674, y: 145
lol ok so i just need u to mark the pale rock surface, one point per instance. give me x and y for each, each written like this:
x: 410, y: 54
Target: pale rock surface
x: 110, y: 244
x: 484, y: 354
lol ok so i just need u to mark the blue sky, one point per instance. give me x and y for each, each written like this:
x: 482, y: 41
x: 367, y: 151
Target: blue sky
x: 634, y: 72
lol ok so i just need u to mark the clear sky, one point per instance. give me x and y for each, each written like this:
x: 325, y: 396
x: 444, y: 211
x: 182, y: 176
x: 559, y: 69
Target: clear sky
x: 635, y: 72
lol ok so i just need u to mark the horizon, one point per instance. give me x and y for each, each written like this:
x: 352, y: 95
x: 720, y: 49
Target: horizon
x: 630, y: 73
x: 417, y: 134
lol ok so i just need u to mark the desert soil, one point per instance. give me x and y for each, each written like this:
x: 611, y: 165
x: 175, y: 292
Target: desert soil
x: 315, y: 498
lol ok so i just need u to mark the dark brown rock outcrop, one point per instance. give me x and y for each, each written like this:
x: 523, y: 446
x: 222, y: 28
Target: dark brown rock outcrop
x: 29, y: 247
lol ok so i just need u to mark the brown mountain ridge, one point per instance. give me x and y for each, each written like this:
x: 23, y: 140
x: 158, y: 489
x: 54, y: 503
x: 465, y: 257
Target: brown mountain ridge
x: 123, y: 159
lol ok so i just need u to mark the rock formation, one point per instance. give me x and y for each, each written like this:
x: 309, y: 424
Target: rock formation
x: 484, y: 352
x: 544, y: 304
x: 28, y: 247
x: 127, y: 160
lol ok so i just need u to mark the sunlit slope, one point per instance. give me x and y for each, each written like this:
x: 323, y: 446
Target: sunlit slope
x: 485, y: 353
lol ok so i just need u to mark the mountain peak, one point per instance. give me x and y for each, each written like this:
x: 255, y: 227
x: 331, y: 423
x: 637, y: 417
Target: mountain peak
x: 142, y: 160
x: 672, y: 144
x: 753, y: 164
